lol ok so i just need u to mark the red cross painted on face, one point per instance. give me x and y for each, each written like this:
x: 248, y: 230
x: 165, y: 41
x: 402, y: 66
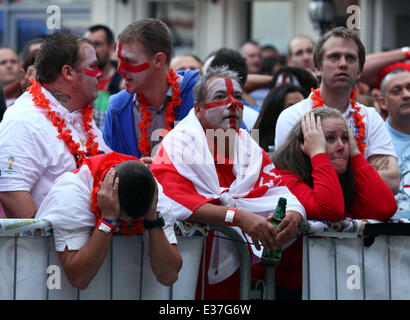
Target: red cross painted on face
x: 230, y: 99
x: 223, y: 105
x: 128, y: 67
x: 93, y: 72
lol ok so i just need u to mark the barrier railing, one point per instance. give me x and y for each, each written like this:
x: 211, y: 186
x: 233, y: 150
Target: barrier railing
x: 350, y: 259
x: 30, y: 268
x: 356, y: 259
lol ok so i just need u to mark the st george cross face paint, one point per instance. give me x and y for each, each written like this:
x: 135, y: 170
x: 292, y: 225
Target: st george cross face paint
x: 223, y: 104
x: 85, y: 84
x: 93, y: 72
x: 134, y: 66
x: 128, y: 67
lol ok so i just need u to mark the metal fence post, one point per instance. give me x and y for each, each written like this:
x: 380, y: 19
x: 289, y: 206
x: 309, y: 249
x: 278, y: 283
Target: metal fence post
x: 244, y: 258
x: 15, y: 268
x: 269, y: 286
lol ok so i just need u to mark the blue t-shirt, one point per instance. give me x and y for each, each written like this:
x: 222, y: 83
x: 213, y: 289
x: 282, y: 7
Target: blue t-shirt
x: 401, y: 143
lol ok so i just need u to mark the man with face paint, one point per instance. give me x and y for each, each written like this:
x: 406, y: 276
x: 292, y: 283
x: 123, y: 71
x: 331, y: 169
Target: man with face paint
x: 50, y: 129
x: 111, y: 81
x: 155, y: 96
x: 216, y: 174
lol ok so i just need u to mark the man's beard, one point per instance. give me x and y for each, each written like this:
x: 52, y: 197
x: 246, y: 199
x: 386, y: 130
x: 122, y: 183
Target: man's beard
x: 101, y: 64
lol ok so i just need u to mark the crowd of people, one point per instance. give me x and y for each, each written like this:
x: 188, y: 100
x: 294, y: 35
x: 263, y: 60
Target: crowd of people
x: 101, y: 134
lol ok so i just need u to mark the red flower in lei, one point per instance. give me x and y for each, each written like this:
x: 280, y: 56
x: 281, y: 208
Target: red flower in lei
x: 144, y: 144
x: 357, y: 117
x: 41, y: 101
x: 136, y: 224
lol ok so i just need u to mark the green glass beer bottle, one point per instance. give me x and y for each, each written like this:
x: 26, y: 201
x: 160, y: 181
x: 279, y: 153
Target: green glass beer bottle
x: 272, y: 258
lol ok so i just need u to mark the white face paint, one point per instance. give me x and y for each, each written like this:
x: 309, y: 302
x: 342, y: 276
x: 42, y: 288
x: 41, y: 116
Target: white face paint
x: 223, y: 108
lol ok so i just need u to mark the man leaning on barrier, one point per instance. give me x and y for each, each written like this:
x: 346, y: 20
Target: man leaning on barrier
x: 109, y: 192
x: 216, y: 174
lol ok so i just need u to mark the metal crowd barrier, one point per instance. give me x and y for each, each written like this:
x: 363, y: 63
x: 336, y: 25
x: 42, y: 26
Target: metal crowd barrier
x: 357, y: 260
x: 350, y: 259
x: 30, y: 268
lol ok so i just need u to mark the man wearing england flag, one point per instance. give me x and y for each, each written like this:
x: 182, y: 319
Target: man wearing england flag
x: 215, y: 173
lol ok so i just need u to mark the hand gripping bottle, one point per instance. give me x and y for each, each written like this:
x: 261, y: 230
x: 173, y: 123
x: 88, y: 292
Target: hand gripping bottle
x: 272, y: 258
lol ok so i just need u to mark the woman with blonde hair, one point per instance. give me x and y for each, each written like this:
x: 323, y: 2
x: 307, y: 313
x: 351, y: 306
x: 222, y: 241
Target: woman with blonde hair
x: 321, y: 165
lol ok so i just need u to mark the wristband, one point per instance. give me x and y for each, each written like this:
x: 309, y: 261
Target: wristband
x: 406, y: 52
x: 151, y: 224
x: 106, y: 225
x: 230, y: 216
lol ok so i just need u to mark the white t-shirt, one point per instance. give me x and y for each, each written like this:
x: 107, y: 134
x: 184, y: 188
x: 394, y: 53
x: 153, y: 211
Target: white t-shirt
x: 377, y: 137
x: 32, y: 156
x: 401, y: 142
x: 249, y: 116
x: 67, y: 208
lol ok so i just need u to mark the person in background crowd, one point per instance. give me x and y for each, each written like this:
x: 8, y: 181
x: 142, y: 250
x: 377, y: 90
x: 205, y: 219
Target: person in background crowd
x: 395, y: 100
x: 269, y: 51
x: 10, y: 74
x: 322, y: 166
x: 109, y: 191
x: 155, y: 95
x: 278, y: 99
x: 252, y: 52
x: 301, y: 52
x: 375, y: 92
x: 30, y: 46
x: 296, y: 76
x: 50, y: 128
x: 215, y: 173
x: 186, y: 62
x: 339, y: 58
x: 377, y: 62
x: 272, y: 64
x: 110, y: 83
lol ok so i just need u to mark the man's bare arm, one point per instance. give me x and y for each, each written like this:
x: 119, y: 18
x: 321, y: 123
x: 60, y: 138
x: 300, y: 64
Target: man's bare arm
x: 81, y: 266
x: 376, y: 62
x: 388, y: 169
x: 18, y: 204
x: 166, y: 261
x: 257, y: 81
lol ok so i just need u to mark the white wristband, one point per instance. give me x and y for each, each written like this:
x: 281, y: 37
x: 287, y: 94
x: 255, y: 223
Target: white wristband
x: 230, y: 216
x: 406, y: 52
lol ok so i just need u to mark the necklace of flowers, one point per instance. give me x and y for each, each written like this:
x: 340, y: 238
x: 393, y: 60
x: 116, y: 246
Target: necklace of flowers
x: 357, y: 117
x: 41, y: 101
x: 144, y: 145
x: 136, y: 224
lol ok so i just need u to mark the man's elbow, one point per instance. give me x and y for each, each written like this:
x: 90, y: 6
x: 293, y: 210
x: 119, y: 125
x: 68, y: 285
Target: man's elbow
x: 395, y: 185
x: 170, y: 276
x: 79, y: 282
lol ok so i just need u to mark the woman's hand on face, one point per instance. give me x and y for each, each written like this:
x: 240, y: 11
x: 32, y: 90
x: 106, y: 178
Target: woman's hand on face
x: 354, y: 150
x: 313, y: 136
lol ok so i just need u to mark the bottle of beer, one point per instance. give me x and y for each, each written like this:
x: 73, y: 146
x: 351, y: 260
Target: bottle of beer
x: 272, y: 258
